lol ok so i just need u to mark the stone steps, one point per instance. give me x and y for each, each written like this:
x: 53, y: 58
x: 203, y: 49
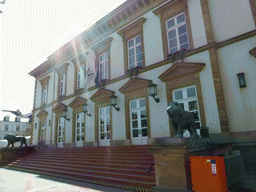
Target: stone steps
x: 124, y: 167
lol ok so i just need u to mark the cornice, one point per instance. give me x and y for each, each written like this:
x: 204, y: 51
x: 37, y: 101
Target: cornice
x: 102, y: 94
x: 102, y: 45
x: 129, y: 11
x: 45, y: 67
x: 78, y: 101
x: 135, y: 84
x: 59, y: 107
x: 180, y: 69
x: 253, y: 52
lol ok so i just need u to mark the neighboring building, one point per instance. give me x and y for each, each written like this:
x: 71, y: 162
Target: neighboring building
x: 143, y: 37
x: 14, y: 125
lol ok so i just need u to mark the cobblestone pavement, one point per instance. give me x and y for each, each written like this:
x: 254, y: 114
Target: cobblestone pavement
x: 16, y: 181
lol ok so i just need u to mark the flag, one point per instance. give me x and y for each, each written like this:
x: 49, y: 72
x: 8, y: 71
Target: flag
x: 96, y: 80
x: 90, y: 72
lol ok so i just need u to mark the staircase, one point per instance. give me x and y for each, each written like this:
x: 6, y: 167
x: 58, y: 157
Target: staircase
x: 123, y: 166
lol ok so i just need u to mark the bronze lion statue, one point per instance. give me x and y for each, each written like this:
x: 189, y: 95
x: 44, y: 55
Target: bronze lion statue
x: 12, y: 139
x: 181, y: 120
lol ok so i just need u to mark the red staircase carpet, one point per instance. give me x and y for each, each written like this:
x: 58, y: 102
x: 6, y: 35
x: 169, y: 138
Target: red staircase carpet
x: 120, y: 166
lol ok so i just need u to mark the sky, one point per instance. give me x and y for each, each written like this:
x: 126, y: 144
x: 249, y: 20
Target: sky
x: 32, y: 30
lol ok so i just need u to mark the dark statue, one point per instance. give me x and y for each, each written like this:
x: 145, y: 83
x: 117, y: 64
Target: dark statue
x: 181, y: 120
x: 12, y: 139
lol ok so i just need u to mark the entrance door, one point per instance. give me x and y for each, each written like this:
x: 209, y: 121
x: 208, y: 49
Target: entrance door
x: 61, y: 132
x: 138, y: 119
x: 104, y: 126
x: 79, y: 129
x: 43, y: 132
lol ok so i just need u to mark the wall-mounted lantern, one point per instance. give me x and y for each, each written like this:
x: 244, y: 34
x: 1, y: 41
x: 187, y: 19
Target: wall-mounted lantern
x: 85, y: 109
x: 113, y: 102
x: 153, y: 91
x: 241, y: 80
x: 65, y: 114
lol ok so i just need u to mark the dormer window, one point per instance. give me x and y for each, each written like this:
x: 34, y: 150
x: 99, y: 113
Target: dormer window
x: 6, y: 118
x: 17, y: 119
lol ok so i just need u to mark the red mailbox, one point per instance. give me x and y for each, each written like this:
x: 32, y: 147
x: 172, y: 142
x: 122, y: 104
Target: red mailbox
x: 208, y: 174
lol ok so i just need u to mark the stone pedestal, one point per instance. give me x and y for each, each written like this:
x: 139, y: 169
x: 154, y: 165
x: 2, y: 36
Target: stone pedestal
x: 172, y: 166
x: 13, y: 153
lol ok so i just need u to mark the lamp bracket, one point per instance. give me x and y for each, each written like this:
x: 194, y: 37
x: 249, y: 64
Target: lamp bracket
x: 117, y: 108
x: 156, y: 99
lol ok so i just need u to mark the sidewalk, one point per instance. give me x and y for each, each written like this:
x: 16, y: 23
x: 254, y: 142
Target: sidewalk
x: 16, y: 181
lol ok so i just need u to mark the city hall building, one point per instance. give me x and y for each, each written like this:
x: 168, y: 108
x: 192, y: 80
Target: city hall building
x: 111, y: 84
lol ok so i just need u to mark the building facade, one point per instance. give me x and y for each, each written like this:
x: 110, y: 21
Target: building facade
x: 14, y: 125
x: 95, y: 89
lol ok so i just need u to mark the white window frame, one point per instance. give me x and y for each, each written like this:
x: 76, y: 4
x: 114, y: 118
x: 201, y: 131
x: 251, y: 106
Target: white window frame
x: 138, y: 110
x: 61, y: 130
x: 17, y: 119
x: 17, y: 127
x: 185, y: 100
x: 7, y: 118
x: 103, y: 66
x: 62, y: 84
x: 81, y: 76
x: 6, y: 127
x: 138, y: 61
x: 80, y: 131
x: 43, y: 131
x: 45, y: 93
x: 104, y: 124
x: 175, y: 28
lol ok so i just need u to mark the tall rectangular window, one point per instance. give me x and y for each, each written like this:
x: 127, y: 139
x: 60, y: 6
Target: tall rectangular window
x: 43, y: 131
x: 177, y: 33
x: 103, y: 66
x: 134, y: 52
x: 81, y: 76
x: 138, y: 118
x: 45, y: 94
x: 62, y: 84
x: 80, y: 127
x: 6, y: 127
x: 104, y: 123
x: 187, y: 97
x: 18, y: 128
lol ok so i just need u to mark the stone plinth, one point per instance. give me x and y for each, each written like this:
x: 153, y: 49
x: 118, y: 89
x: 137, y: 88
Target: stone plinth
x: 10, y: 154
x: 172, y: 166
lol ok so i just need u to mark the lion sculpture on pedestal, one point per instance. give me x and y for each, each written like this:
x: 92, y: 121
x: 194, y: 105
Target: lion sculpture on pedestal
x: 12, y: 139
x: 181, y: 120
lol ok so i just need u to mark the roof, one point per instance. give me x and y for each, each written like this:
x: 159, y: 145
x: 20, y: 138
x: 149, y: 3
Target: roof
x: 12, y: 117
x: 123, y: 15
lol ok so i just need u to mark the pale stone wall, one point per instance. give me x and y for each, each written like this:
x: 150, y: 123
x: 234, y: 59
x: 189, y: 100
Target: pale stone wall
x: 241, y: 103
x: 116, y: 56
x: 197, y: 23
x: 208, y: 92
x: 230, y: 18
x: 153, y: 45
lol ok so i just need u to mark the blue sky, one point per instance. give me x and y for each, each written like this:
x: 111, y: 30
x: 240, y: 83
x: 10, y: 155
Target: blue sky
x: 30, y: 32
